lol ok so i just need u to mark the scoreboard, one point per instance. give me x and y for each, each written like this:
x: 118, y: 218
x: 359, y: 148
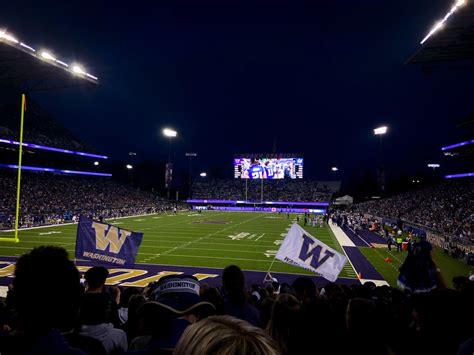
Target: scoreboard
x: 271, y: 168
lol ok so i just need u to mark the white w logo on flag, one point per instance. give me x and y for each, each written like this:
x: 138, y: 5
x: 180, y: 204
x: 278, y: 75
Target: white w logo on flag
x: 104, y: 237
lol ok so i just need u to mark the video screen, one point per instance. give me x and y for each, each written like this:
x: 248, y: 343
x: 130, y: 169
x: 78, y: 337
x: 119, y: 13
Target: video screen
x: 268, y: 168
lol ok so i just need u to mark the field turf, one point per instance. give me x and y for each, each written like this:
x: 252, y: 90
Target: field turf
x: 211, y: 239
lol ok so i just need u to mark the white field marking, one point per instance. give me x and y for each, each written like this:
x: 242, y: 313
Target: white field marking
x: 212, y: 257
x: 68, y: 224
x: 210, y: 235
x: 116, y: 223
x: 259, y: 237
x: 48, y: 233
x: 278, y: 242
x: 212, y: 243
x: 206, y: 249
x: 209, y: 267
x: 283, y: 234
x: 193, y: 214
x: 273, y: 217
x: 367, y: 243
x: 269, y: 253
x: 341, y: 237
x: 376, y: 282
x: 251, y: 236
x: 239, y: 236
x: 334, y: 230
x: 138, y: 220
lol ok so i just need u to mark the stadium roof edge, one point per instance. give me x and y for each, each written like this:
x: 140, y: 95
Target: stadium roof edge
x: 451, y: 38
x: 21, y: 61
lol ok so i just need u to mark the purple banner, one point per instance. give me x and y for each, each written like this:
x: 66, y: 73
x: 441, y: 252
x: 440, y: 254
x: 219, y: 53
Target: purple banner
x: 104, y: 243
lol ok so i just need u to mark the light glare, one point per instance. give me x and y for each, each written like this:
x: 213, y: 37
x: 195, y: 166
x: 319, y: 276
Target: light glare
x: 78, y: 70
x: 47, y: 56
x: 168, y: 132
x: 380, y: 130
x: 128, y: 166
x: 203, y: 174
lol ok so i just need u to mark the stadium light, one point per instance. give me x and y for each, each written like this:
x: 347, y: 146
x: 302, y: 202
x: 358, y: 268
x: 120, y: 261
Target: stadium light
x: 47, y: 56
x: 170, y: 133
x: 129, y: 167
x: 203, y: 174
x: 96, y: 163
x: 434, y: 166
x: 380, y: 130
x: 44, y: 55
x: 334, y: 168
x: 440, y: 24
x: 4, y: 35
x: 78, y: 70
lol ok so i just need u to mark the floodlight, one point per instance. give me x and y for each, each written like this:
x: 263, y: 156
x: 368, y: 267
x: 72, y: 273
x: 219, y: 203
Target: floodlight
x: 27, y: 47
x: 380, y: 130
x: 203, y: 174
x: 168, y: 132
x: 47, y: 55
x: 334, y: 169
x: 434, y: 166
x: 78, y: 70
x: 96, y: 163
x: 129, y: 167
x: 441, y: 23
x: 7, y: 37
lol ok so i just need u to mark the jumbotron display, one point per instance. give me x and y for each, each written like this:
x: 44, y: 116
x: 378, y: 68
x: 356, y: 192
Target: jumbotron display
x: 255, y: 168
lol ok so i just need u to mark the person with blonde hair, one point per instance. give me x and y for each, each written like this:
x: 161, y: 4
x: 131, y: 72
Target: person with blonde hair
x: 225, y: 335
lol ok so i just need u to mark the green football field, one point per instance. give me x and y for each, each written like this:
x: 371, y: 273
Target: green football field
x: 217, y: 239
x: 210, y: 239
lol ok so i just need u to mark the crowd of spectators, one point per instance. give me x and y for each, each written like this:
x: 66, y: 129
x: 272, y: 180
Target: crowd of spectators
x: 447, y: 207
x: 48, y: 310
x: 273, y: 190
x: 41, y: 128
x: 49, y: 199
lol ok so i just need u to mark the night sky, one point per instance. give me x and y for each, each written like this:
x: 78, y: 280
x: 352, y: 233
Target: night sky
x: 316, y: 76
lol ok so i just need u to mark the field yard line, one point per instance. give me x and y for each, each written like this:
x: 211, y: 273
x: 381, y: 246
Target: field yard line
x: 205, y: 249
x: 72, y: 223
x: 68, y: 224
x: 210, y: 235
x: 259, y: 237
x: 218, y: 257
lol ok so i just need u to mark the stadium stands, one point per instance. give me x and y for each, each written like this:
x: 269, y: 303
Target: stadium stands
x: 447, y: 208
x: 41, y: 129
x: 54, y: 314
x: 48, y: 198
x: 273, y: 190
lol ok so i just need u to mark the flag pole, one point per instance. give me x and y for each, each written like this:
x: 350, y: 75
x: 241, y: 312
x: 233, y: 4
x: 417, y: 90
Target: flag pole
x: 18, y: 187
x: 265, y: 279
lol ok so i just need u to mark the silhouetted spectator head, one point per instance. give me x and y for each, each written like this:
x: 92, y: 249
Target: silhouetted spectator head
x: 126, y: 294
x: 285, y: 322
x: 224, y: 335
x: 95, y: 309
x: 95, y: 278
x: 233, y: 280
x: 361, y: 315
x: 305, y: 289
x: 51, y: 302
